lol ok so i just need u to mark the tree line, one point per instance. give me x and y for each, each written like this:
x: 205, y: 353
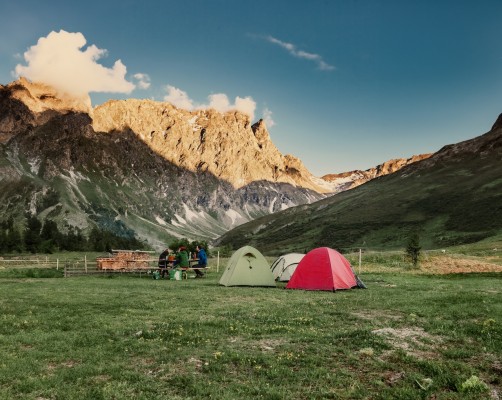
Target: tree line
x: 190, y: 246
x: 38, y: 237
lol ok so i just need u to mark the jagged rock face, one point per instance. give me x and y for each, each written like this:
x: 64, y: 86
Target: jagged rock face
x: 23, y: 103
x: 349, y: 180
x: 498, y: 123
x: 226, y: 145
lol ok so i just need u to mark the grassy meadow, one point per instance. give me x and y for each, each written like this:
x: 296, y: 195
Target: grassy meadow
x: 411, y: 335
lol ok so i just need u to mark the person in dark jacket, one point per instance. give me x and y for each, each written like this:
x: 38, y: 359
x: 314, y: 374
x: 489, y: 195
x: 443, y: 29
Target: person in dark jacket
x: 163, y: 262
x: 201, y: 255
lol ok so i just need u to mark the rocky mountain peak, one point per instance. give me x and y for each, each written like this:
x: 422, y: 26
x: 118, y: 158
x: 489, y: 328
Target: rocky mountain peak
x: 498, y: 123
x: 24, y: 103
x: 40, y: 97
x: 223, y: 144
x: 260, y: 131
x: 351, y: 179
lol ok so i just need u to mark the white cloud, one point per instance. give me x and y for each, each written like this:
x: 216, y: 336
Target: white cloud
x: 291, y: 48
x: 219, y: 102
x: 143, y: 80
x: 246, y: 105
x: 178, y: 98
x: 267, y: 117
x: 60, y: 61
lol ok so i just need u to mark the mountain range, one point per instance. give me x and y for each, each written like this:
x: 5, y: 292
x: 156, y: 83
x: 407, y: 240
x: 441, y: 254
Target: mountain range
x: 452, y: 197
x: 146, y: 168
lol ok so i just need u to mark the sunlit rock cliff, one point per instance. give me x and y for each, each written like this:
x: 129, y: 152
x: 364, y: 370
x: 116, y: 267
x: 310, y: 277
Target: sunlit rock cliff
x: 226, y: 145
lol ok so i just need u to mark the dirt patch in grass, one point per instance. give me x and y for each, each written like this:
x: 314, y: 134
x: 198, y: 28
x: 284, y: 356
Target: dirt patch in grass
x: 265, y: 345
x: 377, y: 315
x: 63, y: 364
x: 414, y: 341
x: 451, y: 265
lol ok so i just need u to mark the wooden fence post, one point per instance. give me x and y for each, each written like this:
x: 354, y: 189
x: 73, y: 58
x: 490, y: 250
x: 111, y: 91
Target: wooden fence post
x: 360, y: 257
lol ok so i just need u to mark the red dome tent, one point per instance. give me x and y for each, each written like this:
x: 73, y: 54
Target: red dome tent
x: 324, y: 269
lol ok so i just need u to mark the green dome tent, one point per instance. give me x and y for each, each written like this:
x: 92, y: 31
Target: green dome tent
x: 247, y: 267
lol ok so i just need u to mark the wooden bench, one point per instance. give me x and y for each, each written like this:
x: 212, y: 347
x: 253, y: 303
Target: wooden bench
x: 184, y: 271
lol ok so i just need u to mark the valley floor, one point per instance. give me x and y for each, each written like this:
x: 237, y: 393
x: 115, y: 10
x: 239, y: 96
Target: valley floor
x: 408, y: 336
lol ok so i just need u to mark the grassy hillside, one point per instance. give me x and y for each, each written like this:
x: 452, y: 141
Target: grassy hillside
x: 454, y: 197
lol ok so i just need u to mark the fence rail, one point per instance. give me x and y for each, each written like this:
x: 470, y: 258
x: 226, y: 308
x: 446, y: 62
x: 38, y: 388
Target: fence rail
x: 73, y: 267
x: 31, y: 263
x: 80, y: 269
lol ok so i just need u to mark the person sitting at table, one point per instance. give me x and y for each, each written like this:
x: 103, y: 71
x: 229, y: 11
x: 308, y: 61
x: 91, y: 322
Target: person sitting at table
x: 201, y: 255
x: 182, y: 258
x: 163, y: 262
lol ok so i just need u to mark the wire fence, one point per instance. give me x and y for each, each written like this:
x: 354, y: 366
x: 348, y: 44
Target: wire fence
x: 85, y: 265
x: 31, y: 262
x: 361, y: 259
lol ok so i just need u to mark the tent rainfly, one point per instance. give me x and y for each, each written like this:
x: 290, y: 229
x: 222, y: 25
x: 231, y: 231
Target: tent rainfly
x: 285, y: 265
x: 247, y: 267
x: 324, y: 269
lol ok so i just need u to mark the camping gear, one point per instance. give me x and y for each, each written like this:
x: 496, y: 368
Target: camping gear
x: 284, y: 266
x: 324, y: 269
x: 247, y: 267
x: 175, y: 274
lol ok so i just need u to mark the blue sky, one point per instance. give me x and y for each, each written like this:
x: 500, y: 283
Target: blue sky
x: 343, y: 84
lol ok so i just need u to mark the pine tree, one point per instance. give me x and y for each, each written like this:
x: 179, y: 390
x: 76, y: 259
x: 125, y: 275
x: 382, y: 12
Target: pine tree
x: 32, y: 239
x: 413, y: 249
x: 51, y: 237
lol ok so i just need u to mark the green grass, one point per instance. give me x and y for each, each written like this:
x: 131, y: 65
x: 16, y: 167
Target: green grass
x: 406, y: 337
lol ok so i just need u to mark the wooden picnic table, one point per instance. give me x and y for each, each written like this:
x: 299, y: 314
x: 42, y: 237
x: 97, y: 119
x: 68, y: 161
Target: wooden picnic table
x: 184, y: 270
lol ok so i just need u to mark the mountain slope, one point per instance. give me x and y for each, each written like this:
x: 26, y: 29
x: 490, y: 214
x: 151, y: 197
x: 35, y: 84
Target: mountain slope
x: 453, y: 197
x: 55, y: 165
x: 139, y: 167
x: 352, y: 179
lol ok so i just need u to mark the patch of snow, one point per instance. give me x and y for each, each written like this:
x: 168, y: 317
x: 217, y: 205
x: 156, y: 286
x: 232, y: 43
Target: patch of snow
x: 271, y: 208
x: 259, y: 228
x: 233, y: 215
x: 334, y: 186
x: 171, y: 232
x: 245, y: 209
x: 285, y: 206
x: 77, y: 176
x: 34, y: 166
x: 72, y: 180
x: 139, y: 179
x: 180, y: 219
x: 189, y: 214
x: 160, y: 221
